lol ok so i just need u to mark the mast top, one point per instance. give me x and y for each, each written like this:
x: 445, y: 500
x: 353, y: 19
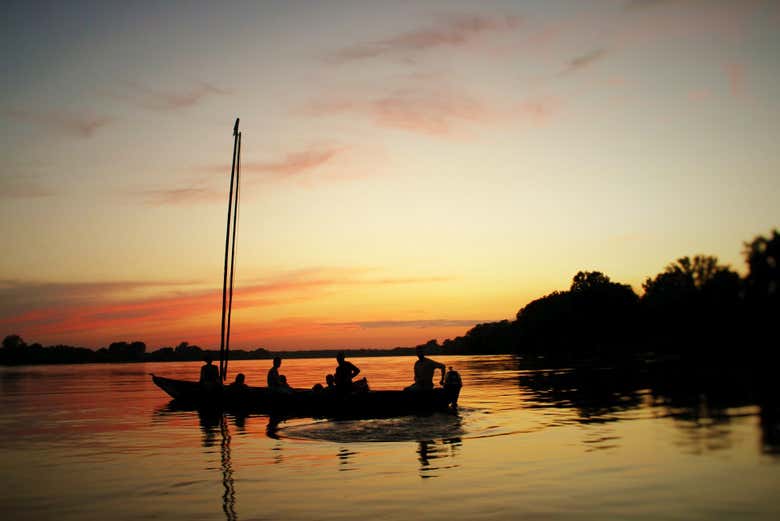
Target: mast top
x: 235, y: 128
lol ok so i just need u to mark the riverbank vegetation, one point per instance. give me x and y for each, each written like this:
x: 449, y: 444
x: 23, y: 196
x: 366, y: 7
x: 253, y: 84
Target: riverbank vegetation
x: 695, y: 308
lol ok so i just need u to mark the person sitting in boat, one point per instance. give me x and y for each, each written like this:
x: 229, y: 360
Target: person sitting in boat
x: 452, y: 384
x: 239, y: 383
x: 274, y: 379
x: 345, y: 372
x: 209, y: 373
x: 330, y: 382
x: 238, y: 388
x: 424, y: 369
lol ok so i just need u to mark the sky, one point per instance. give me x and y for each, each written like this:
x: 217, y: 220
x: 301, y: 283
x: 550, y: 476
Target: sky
x: 409, y: 169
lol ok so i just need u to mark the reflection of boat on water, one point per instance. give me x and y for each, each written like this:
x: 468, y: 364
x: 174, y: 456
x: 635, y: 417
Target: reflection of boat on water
x: 305, y: 402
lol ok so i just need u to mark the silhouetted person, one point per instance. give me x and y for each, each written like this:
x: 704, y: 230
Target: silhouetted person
x: 345, y: 372
x: 239, y: 382
x: 274, y: 379
x: 452, y: 384
x: 424, y: 368
x: 330, y: 381
x: 283, y: 382
x: 209, y: 373
x: 237, y: 389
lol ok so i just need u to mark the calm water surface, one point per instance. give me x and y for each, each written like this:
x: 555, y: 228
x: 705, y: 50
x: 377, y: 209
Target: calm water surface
x: 100, y: 441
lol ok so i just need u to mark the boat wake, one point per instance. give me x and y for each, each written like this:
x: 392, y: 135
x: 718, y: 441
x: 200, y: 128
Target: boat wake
x: 407, y: 428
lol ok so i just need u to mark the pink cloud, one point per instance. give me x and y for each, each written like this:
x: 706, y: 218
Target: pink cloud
x: 438, y: 113
x: 428, y: 112
x: 293, y: 163
x: 449, y: 31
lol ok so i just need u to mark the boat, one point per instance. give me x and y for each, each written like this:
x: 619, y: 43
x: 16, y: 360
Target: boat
x: 323, y: 403
x: 288, y: 402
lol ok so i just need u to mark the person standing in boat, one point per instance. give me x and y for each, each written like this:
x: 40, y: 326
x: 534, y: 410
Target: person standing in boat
x: 274, y: 379
x: 209, y: 373
x: 424, y: 369
x: 345, y: 372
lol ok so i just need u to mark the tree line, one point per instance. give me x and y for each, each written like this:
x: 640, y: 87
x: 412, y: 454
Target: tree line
x: 696, y: 307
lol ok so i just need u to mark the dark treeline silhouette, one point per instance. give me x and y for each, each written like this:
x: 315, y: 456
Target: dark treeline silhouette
x: 696, y: 309
x: 15, y: 351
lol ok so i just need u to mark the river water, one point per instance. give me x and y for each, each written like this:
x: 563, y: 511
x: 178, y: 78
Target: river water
x: 96, y: 442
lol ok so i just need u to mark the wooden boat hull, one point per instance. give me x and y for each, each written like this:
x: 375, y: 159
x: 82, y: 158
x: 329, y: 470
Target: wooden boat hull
x: 305, y: 402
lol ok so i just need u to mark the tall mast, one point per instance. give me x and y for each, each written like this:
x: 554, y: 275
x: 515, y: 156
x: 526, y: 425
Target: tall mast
x: 233, y: 256
x: 222, y: 352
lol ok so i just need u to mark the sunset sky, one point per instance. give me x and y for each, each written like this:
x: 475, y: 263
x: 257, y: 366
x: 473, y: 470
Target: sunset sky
x: 410, y: 168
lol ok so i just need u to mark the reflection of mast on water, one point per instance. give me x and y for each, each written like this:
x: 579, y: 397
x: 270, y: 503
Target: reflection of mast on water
x: 229, y: 496
x: 209, y: 420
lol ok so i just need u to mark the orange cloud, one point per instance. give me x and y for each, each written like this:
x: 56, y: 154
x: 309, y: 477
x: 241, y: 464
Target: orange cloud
x: 96, y: 313
x: 449, y: 31
x: 419, y: 324
x: 66, y: 123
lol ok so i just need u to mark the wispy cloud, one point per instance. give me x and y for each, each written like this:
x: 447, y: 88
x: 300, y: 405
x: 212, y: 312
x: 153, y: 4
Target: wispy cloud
x: 294, y: 163
x: 584, y: 60
x: 79, y: 125
x: 291, y: 164
x: 428, y: 112
x: 422, y: 111
x: 19, y: 295
x: 455, y: 30
x: 421, y: 324
x: 164, y: 100
x: 180, y: 196
x: 438, y: 113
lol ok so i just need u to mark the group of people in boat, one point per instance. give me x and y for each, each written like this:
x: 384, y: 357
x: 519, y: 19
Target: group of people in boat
x: 342, y: 379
